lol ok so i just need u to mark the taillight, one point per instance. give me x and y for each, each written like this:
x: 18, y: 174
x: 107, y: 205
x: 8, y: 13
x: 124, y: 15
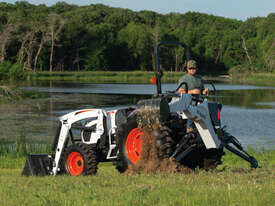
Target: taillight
x: 219, y: 114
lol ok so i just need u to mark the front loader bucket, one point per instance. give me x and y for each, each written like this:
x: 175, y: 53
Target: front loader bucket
x: 38, y: 165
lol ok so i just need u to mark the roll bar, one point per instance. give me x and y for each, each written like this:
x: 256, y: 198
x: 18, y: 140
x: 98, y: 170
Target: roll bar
x: 156, y: 51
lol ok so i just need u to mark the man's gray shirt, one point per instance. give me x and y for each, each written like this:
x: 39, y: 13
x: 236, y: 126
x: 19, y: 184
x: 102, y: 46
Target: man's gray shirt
x: 193, y: 82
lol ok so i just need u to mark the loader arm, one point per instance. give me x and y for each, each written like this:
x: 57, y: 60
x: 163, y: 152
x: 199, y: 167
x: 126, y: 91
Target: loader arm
x: 95, y: 127
x: 65, y: 128
x: 66, y: 124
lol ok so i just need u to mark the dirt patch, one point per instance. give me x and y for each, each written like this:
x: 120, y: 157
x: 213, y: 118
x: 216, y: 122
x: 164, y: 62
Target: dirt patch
x: 151, y: 161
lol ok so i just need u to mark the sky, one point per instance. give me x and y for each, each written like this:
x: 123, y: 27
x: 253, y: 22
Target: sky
x: 235, y: 9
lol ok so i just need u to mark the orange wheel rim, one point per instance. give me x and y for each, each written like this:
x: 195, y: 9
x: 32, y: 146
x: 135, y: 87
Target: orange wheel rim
x: 133, y: 145
x: 75, y: 163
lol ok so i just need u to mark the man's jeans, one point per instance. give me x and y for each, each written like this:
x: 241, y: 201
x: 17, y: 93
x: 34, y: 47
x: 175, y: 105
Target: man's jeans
x: 189, y: 123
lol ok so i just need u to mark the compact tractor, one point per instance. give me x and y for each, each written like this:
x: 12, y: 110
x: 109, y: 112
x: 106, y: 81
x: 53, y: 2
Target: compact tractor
x: 86, y: 137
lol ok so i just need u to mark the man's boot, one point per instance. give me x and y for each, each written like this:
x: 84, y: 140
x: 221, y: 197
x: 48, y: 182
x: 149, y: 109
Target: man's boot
x: 189, y: 130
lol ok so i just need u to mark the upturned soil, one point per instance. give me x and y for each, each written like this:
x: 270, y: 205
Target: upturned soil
x: 150, y: 161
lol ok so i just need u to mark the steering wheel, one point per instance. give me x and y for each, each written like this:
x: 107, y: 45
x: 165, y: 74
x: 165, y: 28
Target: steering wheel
x: 199, y: 98
x: 186, y: 87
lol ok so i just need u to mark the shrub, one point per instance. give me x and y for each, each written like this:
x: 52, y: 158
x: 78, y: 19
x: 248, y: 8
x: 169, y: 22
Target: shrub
x: 4, y: 70
x: 16, y: 72
x: 9, y: 71
x: 96, y: 62
x: 238, y: 70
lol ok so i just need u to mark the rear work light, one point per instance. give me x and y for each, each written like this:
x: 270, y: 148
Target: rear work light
x: 219, y: 114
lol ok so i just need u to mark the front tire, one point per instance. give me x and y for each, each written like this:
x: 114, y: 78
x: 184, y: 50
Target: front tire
x: 80, y: 159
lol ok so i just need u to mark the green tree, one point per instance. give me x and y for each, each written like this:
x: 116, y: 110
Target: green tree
x: 138, y: 39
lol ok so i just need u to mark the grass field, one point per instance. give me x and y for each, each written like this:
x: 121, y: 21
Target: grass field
x: 262, y: 79
x: 233, y: 183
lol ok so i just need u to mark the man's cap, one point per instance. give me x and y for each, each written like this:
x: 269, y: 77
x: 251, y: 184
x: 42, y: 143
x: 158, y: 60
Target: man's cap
x: 192, y: 64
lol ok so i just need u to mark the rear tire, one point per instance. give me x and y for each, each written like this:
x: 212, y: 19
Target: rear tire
x: 80, y: 159
x: 165, y: 142
x: 123, y: 160
x: 130, y: 141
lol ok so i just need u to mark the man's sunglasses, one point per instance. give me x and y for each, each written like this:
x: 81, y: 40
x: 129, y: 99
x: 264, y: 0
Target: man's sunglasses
x: 192, y: 68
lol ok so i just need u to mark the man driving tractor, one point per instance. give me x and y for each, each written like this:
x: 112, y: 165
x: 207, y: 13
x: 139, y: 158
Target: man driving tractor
x: 195, y: 86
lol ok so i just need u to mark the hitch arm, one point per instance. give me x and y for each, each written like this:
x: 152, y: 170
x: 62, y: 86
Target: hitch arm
x: 227, y: 139
x: 253, y: 162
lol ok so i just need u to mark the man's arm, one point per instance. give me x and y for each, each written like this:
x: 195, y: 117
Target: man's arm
x: 204, y: 90
x: 192, y: 91
x: 182, y: 89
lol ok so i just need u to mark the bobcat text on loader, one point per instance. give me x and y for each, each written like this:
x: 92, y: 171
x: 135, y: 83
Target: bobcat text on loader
x: 86, y: 137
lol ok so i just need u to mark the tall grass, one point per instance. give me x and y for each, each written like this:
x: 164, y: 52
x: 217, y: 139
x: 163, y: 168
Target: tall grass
x: 21, y: 147
x: 13, y: 154
x: 13, y: 94
x: 9, y: 94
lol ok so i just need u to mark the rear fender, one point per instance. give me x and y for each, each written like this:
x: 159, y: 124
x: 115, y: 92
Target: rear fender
x: 214, y: 110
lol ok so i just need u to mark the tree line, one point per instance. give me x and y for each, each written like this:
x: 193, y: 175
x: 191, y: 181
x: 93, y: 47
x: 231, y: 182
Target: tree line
x: 67, y: 37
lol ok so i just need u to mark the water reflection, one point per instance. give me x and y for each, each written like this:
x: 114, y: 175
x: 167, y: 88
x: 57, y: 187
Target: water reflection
x: 248, y: 111
x: 256, y: 99
x: 84, y: 88
x: 252, y: 127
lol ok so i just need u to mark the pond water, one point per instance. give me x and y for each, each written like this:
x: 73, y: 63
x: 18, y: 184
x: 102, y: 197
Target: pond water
x: 248, y: 111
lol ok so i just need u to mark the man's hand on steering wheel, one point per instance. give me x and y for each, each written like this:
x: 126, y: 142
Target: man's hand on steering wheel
x: 180, y: 90
x: 205, y: 91
x: 192, y: 91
